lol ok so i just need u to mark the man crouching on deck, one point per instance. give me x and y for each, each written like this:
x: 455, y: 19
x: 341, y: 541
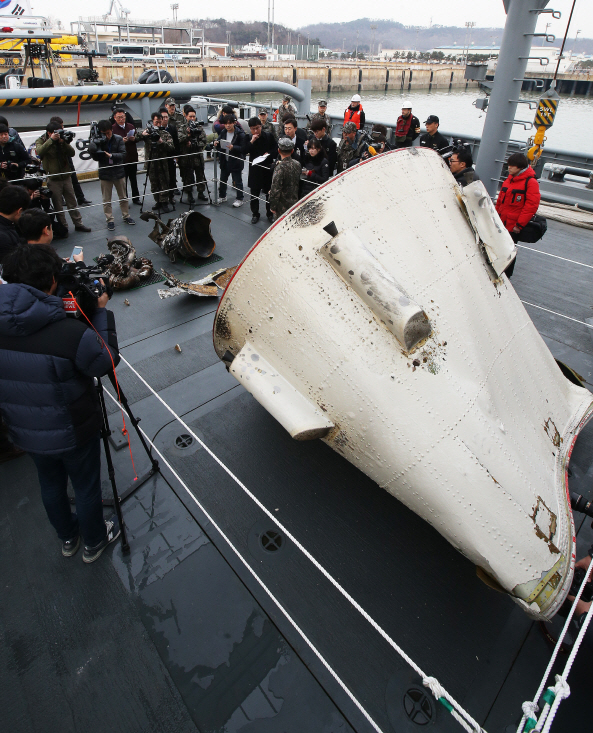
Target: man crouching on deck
x: 48, y: 397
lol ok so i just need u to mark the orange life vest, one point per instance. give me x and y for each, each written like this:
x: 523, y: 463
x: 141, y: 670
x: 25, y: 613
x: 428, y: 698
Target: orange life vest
x: 353, y: 116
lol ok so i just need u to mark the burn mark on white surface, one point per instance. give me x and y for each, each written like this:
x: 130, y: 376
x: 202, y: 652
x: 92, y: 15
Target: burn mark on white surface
x: 552, y: 432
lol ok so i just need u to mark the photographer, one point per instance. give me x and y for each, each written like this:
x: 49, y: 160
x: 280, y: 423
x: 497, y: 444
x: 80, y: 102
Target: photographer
x: 80, y: 197
x: 48, y: 397
x: 352, y: 147
x: 158, y: 145
x: 171, y: 128
x: 13, y: 157
x: 127, y: 131
x: 192, y: 139
x: 13, y: 201
x: 109, y: 151
x: 55, y: 153
x: 41, y: 200
x: 257, y: 145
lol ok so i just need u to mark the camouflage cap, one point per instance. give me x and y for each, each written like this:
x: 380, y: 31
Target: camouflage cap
x: 262, y: 111
x: 285, y: 144
x: 349, y: 127
x: 286, y: 98
x: 169, y: 100
x: 322, y: 103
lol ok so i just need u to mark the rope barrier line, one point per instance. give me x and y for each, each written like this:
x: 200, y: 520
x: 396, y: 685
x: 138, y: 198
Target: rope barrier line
x: 561, y: 690
x: 564, y: 259
x: 440, y: 693
x: 260, y: 582
x: 533, y: 305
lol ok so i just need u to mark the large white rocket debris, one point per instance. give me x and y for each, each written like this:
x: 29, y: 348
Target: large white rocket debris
x: 374, y: 316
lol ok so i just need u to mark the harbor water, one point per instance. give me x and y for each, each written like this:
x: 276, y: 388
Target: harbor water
x: 458, y: 114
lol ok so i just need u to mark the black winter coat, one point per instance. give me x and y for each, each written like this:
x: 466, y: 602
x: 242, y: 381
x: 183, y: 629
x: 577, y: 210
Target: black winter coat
x: 16, y: 157
x: 47, y: 361
x: 436, y: 141
x: 236, y: 160
x: 260, y: 175
x: 331, y: 150
x: 319, y: 173
x: 9, y: 238
x: 109, y: 171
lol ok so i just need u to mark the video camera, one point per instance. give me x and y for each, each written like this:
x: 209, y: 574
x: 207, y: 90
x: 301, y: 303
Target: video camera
x: 83, y: 283
x: 154, y: 133
x: 95, y: 135
x: 66, y: 135
x: 194, y: 127
x: 455, y: 147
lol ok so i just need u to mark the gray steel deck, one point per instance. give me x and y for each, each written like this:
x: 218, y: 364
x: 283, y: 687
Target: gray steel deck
x: 178, y: 636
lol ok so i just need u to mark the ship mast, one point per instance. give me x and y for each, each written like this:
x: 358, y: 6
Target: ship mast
x: 522, y: 17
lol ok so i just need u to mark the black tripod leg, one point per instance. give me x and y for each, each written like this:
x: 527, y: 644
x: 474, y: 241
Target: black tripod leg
x: 134, y: 421
x: 116, y: 500
x: 145, y: 182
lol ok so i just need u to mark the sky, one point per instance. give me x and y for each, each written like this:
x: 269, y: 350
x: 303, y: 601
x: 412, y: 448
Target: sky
x: 486, y: 13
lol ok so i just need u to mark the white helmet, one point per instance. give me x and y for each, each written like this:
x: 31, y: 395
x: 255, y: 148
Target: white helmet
x: 355, y: 98
x: 406, y: 104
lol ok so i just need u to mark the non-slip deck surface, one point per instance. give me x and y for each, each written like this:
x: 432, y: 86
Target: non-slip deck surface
x: 179, y: 635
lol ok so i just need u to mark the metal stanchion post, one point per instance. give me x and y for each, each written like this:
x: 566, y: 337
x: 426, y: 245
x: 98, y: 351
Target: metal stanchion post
x: 215, y: 176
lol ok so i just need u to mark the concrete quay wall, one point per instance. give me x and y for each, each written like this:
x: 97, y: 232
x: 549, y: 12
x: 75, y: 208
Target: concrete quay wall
x: 325, y: 77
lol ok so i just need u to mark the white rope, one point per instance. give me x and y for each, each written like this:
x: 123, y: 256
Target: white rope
x: 568, y: 318
x: 438, y: 690
x: 564, y: 259
x: 255, y: 576
x: 561, y: 690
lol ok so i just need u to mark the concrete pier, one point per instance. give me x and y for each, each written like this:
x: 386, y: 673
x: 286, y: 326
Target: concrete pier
x: 325, y: 77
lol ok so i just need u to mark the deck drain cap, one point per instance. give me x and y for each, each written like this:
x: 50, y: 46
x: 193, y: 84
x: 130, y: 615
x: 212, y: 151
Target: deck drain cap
x: 418, y: 706
x: 183, y: 441
x: 268, y: 543
x: 271, y: 540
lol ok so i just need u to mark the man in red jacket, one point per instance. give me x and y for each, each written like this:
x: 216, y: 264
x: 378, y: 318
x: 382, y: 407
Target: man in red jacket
x: 519, y: 196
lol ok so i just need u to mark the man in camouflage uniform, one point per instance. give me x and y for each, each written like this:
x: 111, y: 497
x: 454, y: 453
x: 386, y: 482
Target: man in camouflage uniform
x: 351, y: 148
x: 175, y: 116
x: 158, y: 169
x: 284, y: 191
x: 191, y: 166
x: 286, y: 110
x: 321, y: 115
x: 266, y: 125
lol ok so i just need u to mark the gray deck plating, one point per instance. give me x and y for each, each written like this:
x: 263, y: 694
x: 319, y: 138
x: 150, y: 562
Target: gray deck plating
x: 200, y: 646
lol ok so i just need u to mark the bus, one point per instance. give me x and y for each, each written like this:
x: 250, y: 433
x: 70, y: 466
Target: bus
x: 153, y: 52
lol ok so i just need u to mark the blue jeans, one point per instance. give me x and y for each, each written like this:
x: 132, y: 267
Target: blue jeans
x: 83, y: 466
x: 237, y: 182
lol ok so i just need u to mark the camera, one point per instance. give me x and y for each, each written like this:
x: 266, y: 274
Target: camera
x: 455, y: 147
x: 95, y: 135
x: 194, y: 128
x: 33, y: 167
x: 33, y: 183
x: 154, y: 133
x: 66, y: 135
x: 83, y: 282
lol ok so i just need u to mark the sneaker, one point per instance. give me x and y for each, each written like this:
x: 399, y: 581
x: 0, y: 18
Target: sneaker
x: 90, y: 554
x: 221, y: 199
x: 129, y: 220
x: 255, y: 218
x: 82, y: 228
x: 202, y: 196
x: 85, y: 202
x: 70, y: 547
x: 237, y: 203
x: 136, y: 201
x: 111, y: 226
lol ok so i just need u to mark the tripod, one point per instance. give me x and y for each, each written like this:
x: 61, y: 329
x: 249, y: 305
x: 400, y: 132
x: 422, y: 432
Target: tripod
x: 118, y: 499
